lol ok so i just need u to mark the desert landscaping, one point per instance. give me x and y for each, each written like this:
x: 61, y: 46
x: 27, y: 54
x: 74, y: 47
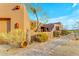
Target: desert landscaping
x: 62, y: 46
x: 22, y: 36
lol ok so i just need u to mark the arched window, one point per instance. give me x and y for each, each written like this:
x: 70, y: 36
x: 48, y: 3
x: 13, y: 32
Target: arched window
x: 16, y: 25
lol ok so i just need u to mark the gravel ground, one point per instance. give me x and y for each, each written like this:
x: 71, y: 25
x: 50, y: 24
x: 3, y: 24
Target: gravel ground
x: 53, y: 47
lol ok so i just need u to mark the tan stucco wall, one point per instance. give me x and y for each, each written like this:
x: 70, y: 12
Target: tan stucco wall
x: 60, y: 26
x: 19, y: 16
x: 26, y: 21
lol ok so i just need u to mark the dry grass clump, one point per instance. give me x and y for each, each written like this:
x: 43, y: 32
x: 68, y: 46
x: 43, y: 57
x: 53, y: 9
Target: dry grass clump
x: 15, y: 37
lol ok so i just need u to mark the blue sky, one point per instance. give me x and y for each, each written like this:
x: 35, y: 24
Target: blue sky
x: 66, y: 13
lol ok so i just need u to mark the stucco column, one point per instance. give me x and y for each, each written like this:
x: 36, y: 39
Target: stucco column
x: 28, y: 36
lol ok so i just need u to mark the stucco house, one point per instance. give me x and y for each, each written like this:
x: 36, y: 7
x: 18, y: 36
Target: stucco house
x: 51, y: 27
x: 13, y: 16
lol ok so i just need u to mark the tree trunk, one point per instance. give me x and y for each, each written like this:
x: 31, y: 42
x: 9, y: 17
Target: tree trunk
x: 37, y: 22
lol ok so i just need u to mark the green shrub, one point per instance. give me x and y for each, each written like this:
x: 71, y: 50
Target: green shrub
x: 33, y: 26
x: 65, y: 32
x: 40, y: 37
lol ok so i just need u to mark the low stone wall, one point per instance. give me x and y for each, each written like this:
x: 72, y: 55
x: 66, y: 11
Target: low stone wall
x: 50, y: 35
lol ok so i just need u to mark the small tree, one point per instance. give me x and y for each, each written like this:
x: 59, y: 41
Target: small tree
x: 43, y: 19
x: 34, y: 11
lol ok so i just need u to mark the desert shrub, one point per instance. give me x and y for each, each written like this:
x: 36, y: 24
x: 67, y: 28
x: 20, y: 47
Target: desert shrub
x: 40, y: 37
x: 15, y: 37
x: 56, y: 34
x: 65, y: 32
x: 3, y: 38
x: 33, y: 26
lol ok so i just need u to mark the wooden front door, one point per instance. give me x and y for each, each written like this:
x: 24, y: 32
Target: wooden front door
x: 5, y: 24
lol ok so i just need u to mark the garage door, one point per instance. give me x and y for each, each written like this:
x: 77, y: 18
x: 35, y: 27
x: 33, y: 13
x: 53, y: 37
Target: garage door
x: 4, y: 25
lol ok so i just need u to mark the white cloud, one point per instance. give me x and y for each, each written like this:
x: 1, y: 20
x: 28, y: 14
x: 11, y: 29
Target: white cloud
x: 74, y: 4
x: 67, y: 21
x: 53, y: 20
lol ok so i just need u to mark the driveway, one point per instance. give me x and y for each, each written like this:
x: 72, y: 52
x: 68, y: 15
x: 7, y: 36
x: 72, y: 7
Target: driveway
x: 35, y: 49
x: 57, y: 46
